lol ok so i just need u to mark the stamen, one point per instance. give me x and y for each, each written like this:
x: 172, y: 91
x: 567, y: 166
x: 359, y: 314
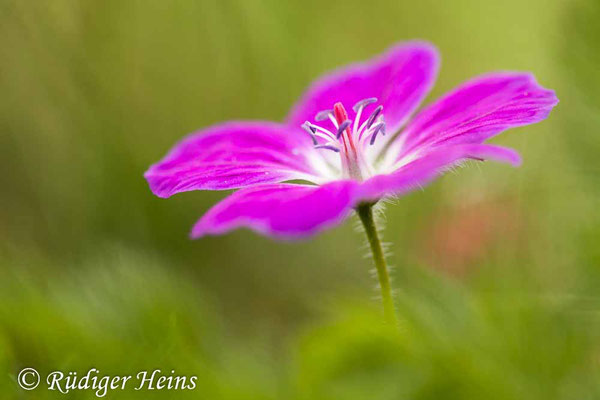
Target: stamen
x: 380, y: 127
x: 342, y: 128
x: 358, y: 109
x: 323, y: 115
x: 309, y: 126
x: 374, y: 115
x: 311, y: 131
x: 381, y: 119
x: 327, y: 147
x: 333, y: 120
x: 321, y: 132
x: 363, y: 103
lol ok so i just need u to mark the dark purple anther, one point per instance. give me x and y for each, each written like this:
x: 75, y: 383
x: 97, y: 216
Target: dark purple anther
x: 374, y: 115
x: 342, y: 128
x: 311, y: 131
x: 323, y: 115
x: 327, y: 147
x: 380, y: 127
x: 364, y: 103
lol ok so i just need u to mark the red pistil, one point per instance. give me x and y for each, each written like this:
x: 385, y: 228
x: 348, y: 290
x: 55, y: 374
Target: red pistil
x: 340, y: 114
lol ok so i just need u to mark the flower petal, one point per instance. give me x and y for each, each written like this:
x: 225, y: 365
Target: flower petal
x: 233, y: 155
x: 280, y: 210
x: 288, y: 211
x: 399, y: 79
x: 478, y: 110
x: 423, y: 170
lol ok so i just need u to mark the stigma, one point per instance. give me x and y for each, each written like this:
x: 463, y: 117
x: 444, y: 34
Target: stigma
x: 349, y: 138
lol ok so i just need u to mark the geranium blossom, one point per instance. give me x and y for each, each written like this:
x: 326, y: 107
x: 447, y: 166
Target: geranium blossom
x: 350, y: 140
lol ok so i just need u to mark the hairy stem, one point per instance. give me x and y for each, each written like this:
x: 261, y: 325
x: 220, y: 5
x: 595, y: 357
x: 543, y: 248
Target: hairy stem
x: 365, y: 212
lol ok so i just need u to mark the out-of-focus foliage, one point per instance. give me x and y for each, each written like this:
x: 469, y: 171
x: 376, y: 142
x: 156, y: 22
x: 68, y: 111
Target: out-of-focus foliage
x: 497, y: 269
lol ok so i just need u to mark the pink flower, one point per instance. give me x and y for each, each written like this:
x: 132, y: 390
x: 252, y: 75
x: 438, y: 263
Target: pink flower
x: 350, y: 140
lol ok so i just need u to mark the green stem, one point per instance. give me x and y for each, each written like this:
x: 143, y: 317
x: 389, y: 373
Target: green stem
x: 365, y: 212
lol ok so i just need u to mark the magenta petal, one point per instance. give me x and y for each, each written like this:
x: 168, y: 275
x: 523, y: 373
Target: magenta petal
x: 281, y: 210
x: 232, y: 155
x: 478, y: 110
x: 423, y: 170
x: 399, y: 79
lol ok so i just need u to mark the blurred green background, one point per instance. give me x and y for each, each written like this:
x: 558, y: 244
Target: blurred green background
x: 497, y: 269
